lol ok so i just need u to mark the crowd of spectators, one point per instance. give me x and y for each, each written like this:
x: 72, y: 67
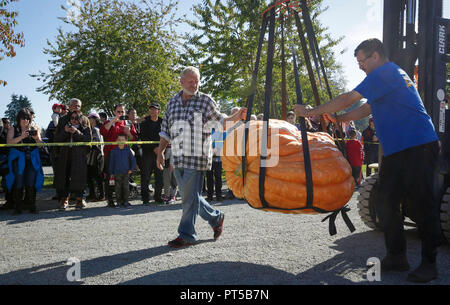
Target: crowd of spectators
x: 90, y: 173
x: 84, y: 173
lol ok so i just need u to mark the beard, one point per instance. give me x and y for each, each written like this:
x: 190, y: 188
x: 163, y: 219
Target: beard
x: 189, y: 92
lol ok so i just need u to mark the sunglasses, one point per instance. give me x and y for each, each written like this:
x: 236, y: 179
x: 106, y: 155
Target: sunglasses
x: 75, y: 118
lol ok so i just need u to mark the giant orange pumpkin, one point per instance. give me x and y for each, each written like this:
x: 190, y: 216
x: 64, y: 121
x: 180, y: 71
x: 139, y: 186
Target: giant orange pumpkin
x: 285, y: 182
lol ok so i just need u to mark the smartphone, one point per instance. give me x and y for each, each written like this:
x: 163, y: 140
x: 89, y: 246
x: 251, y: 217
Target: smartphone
x: 124, y: 117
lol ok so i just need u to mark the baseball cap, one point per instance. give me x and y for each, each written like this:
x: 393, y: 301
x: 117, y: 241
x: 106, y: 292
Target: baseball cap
x: 156, y: 105
x: 56, y: 105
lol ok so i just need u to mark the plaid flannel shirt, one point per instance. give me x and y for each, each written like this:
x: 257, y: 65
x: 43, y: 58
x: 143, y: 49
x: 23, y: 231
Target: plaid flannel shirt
x: 187, y: 126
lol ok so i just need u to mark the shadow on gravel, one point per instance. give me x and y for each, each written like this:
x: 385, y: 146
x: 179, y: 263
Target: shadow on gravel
x: 90, y: 212
x: 218, y: 273
x: 49, y: 210
x: 56, y: 273
x: 349, y: 267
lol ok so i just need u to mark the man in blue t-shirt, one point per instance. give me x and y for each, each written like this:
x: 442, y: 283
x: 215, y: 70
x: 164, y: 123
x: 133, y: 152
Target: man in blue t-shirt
x: 409, y: 166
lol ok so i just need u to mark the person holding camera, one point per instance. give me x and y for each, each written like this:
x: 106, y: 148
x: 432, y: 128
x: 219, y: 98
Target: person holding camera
x: 25, y: 169
x: 110, y: 130
x: 71, y: 164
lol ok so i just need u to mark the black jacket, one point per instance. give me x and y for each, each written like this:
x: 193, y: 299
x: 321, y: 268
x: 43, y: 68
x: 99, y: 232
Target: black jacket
x: 150, y: 132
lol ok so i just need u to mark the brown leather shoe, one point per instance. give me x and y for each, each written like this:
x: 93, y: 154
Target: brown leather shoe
x: 63, y: 203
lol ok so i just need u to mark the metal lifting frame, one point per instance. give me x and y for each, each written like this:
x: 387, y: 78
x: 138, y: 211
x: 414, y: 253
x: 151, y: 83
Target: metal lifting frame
x: 429, y: 47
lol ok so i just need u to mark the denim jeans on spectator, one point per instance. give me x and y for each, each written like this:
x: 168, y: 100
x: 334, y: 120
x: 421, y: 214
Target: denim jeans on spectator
x: 190, y: 182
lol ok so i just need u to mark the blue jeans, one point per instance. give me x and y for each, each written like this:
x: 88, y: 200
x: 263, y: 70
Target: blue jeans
x: 190, y: 183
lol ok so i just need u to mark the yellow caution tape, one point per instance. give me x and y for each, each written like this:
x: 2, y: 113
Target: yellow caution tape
x: 79, y: 143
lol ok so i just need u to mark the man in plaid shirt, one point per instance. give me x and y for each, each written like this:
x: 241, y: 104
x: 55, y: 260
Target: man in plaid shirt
x: 188, y: 120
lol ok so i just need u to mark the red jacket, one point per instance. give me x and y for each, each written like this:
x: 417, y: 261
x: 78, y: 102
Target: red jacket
x: 111, y: 135
x: 355, y: 152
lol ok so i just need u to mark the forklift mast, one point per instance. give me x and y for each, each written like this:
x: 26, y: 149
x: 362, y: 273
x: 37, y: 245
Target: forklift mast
x: 414, y: 33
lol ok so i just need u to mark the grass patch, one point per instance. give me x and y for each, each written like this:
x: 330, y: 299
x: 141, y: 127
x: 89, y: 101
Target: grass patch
x: 48, y: 180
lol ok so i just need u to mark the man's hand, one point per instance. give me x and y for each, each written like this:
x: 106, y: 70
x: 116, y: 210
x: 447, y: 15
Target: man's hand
x: 242, y: 113
x: 160, y: 160
x: 127, y: 131
x: 301, y: 110
x: 116, y: 119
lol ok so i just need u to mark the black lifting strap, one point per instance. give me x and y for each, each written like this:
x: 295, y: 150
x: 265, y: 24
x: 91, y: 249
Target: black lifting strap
x: 252, y: 96
x: 307, y: 159
x: 268, y: 95
x: 267, y: 99
x: 305, y: 144
x: 332, y: 217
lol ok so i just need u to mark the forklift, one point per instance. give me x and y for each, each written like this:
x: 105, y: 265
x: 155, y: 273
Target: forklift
x: 417, y: 39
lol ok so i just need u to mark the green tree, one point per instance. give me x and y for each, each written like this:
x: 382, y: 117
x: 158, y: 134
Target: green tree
x: 121, y: 52
x: 224, y: 45
x: 8, y: 37
x: 17, y: 103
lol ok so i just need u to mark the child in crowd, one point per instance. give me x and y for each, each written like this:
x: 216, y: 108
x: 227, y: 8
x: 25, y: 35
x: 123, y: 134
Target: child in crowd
x: 57, y: 109
x: 121, y: 164
x: 355, y: 154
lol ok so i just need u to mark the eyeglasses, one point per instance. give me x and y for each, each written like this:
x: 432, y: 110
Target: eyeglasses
x: 364, y: 60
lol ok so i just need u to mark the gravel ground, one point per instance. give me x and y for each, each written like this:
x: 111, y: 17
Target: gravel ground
x: 129, y: 246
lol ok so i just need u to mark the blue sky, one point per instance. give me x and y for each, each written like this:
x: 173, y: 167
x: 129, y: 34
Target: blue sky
x: 38, y: 20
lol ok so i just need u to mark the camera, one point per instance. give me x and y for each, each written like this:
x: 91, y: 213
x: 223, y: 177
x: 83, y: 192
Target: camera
x: 32, y: 132
x: 124, y: 117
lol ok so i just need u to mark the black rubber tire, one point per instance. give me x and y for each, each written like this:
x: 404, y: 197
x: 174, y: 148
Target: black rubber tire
x: 367, y: 202
x: 445, y: 215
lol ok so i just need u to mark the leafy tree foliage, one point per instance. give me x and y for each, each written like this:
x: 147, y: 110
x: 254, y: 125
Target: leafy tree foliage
x: 8, y: 37
x: 224, y: 45
x: 120, y: 52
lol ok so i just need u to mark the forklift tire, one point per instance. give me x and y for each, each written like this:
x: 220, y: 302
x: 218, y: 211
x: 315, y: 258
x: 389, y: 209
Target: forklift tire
x: 445, y: 215
x: 367, y: 202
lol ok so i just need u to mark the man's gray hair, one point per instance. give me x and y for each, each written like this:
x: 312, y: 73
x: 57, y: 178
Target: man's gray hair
x: 74, y: 100
x: 190, y: 69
